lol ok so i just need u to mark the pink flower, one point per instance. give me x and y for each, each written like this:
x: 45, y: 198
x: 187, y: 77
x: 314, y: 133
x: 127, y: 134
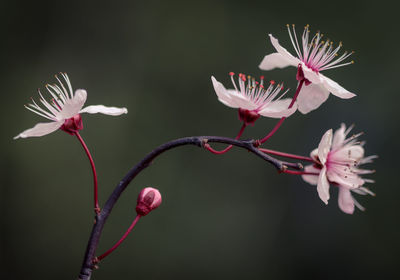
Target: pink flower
x: 312, y: 57
x: 64, y: 110
x: 254, y: 99
x: 148, y: 200
x: 337, y: 161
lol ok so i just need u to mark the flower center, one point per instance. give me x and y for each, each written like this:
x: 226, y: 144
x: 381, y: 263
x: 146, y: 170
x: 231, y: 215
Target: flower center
x: 72, y: 125
x: 258, y: 95
x: 248, y: 117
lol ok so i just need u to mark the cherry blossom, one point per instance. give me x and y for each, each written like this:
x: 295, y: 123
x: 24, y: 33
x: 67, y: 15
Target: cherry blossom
x: 64, y: 110
x: 313, y: 56
x: 337, y: 162
x: 253, y: 98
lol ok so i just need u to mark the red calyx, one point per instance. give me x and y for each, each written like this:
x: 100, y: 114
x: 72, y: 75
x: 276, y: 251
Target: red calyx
x: 248, y: 117
x: 72, y: 125
x: 300, y: 75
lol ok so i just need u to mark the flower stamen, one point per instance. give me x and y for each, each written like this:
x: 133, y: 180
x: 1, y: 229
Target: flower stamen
x: 317, y: 54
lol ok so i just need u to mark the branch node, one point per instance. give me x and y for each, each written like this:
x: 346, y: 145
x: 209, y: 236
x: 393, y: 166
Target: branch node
x: 90, y: 261
x: 95, y: 261
x: 204, y: 142
x: 283, y: 168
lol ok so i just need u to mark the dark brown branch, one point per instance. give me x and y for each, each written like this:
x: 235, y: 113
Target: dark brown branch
x: 250, y: 145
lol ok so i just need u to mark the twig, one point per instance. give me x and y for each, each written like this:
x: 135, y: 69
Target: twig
x: 200, y: 141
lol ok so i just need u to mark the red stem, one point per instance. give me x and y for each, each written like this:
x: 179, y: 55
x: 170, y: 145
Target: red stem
x: 88, y: 261
x: 283, y: 119
x: 281, y: 154
x: 299, y: 172
x: 208, y: 147
x: 96, y: 199
x: 109, y: 251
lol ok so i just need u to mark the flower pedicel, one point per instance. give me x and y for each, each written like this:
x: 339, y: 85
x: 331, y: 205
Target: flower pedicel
x: 64, y: 111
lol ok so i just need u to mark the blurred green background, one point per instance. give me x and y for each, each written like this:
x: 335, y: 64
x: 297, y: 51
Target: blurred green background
x: 222, y: 217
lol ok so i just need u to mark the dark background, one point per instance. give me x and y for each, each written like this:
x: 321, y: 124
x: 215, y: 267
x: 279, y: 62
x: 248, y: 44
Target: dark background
x: 222, y: 217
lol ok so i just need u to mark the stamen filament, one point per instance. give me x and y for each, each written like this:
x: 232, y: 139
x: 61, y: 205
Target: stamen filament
x: 317, y: 54
x: 36, y: 111
x: 295, y: 45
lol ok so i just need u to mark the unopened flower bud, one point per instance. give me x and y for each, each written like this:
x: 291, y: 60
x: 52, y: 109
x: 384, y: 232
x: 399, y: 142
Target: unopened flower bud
x: 148, y: 200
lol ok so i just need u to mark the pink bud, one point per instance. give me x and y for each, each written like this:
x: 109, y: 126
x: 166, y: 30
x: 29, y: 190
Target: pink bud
x: 148, y: 200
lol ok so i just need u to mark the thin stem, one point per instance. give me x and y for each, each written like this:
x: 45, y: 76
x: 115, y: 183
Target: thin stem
x: 272, y: 132
x: 96, y: 199
x: 200, y: 141
x: 299, y: 172
x: 109, y: 251
x: 294, y: 165
x: 269, y: 135
x: 281, y: 154
x: 208, y: 147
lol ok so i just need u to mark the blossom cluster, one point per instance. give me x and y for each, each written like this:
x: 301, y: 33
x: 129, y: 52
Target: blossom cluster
x: 337, y: 159
x: 335, y: 162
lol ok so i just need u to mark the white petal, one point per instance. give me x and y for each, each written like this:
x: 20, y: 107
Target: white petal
x: 222, y: 94
x: 238, y: 100
x: 325, y: 146
x: 40, y: 129
x: 314, y: 154
x: 323, y: 186
x: 335, y: 88
x: 291, y: 60
x: 311, y: 179
x: 346, y: 202
x: 311, y: 97
x: 112, y: 111
x: 279, y: 109
x: 353, y: 152
x: 339, y: 136
x: 311, y: 75
x: 346, y: 180
x: 275, y: 60
x: 278, y: 105
x: 74, y: 105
